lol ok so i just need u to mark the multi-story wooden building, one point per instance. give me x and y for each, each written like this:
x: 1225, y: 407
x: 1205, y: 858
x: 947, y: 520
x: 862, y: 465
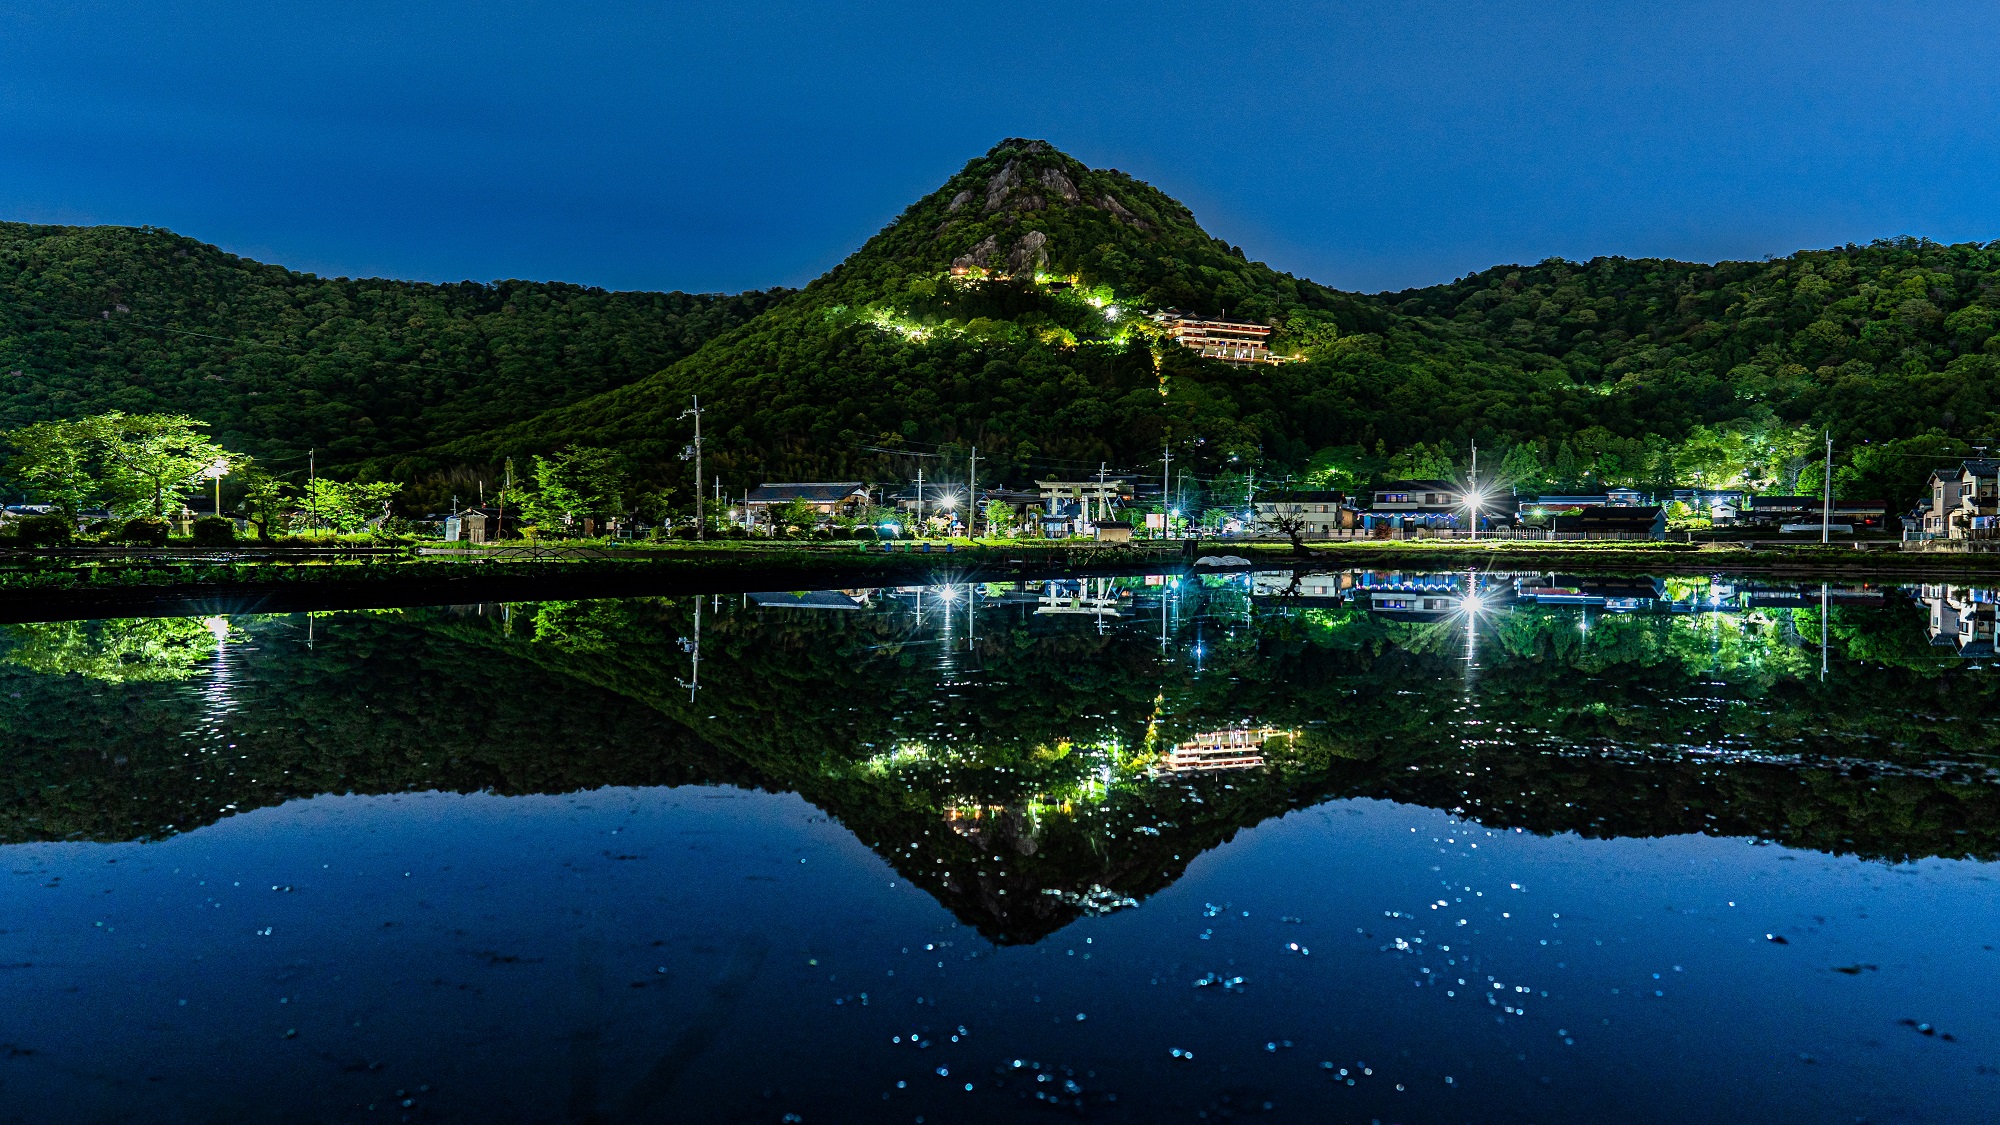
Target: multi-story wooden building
x: 1232, y: 341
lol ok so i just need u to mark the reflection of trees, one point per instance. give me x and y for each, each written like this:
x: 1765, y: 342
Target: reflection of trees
x: 1011, y: 768
x: 135, y: 650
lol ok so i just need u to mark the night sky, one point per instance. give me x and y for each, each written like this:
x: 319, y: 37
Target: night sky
x: 731, y: 146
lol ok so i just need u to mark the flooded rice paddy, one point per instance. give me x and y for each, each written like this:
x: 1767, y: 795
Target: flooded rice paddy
x: 1345, y: 846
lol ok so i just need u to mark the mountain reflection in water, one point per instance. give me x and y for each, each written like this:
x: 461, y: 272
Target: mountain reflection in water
x: 1019, y: 747
x: 1032, y: 753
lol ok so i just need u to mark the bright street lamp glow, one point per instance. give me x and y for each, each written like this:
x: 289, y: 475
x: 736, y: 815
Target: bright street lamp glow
x: 948, y: 502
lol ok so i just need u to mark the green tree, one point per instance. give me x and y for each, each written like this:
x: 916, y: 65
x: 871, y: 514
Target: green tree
x: 586, y: 482
x: 795, y: 515
x: 53, y: 463
x: 347, y: 507
x: 153, y: 461
x: 266, y: 499
x: 999, y: 519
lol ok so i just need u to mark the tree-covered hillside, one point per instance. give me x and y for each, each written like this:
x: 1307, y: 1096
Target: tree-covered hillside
x: 1613, y: 371
x: 142, y: 320
x: 1005, y: 312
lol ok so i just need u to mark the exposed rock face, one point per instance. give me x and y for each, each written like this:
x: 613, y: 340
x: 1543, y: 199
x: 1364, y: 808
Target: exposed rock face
x: 979, y: 256
x: 1003, y: 181
x: 1055, y: 181
x: 960, y: 200
x: 1030, y: 253
x: 1121, y: 212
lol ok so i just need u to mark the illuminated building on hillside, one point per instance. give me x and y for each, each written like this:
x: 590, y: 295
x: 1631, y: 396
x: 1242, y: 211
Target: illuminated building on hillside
x: 1232, y: 341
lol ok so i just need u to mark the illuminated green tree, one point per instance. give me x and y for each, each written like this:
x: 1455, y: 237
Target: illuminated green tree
x: 153, y: 461
x: 53, y: 462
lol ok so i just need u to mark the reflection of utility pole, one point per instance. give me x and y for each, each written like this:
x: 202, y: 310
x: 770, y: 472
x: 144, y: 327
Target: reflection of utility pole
x: 1823, y: 638
x: 693, y: 683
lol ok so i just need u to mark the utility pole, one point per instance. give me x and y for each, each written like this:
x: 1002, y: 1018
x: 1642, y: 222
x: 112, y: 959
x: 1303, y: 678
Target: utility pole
x: 1472, y: 489
x: 700, y: 528
x: 500, y: 517
x: 972, y: 496
x: 1826, y: 493
x: 920, y: 517
x: 1166, y: 477
x: 718, y: 494
x: 312, y: 489
x: 1103, y: 506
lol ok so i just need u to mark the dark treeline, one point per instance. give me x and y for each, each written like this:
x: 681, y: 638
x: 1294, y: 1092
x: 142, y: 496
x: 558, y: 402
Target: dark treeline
x: 141, y: 320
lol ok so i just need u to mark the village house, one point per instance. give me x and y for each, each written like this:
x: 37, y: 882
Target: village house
x: 1613, y: 522
x: 1322, y: 510
x: 1963, y: 501
x: 829, y: 499
x: 1416, y: 503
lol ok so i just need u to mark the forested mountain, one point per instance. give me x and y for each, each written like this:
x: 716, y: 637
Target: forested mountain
x: 1004, y: 311
x: 144, y: 320
x: 1612, y: 371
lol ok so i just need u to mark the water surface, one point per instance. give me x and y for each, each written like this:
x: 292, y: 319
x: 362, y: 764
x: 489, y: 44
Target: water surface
x: 1513, y: 848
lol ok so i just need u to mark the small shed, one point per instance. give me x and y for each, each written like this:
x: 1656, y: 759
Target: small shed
x: 468, y: 526
x: 1114, y: 531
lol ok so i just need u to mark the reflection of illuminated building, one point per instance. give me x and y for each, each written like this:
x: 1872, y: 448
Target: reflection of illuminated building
x: 1239, y: 749
x: 1961, y: 617
x: 1098, y: 597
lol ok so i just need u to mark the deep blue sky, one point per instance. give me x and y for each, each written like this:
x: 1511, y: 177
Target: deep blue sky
x: 729, y: 146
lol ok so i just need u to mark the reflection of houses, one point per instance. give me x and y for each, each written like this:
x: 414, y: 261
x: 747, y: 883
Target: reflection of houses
x: 1098, y: 597
x: 1777, y: 597
x: 1614, y: 594
x: 1963, y: 501
x: 812, y: 599
x: 1208, y: 751
x: 1961, y: 617
x: 1321, y: 510
x: 1319, y: 587
x: 1414, y: 606
x: 1232, y: 341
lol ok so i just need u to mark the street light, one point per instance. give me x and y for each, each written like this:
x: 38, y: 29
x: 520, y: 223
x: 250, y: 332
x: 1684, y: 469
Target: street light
x: 216, y: 470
